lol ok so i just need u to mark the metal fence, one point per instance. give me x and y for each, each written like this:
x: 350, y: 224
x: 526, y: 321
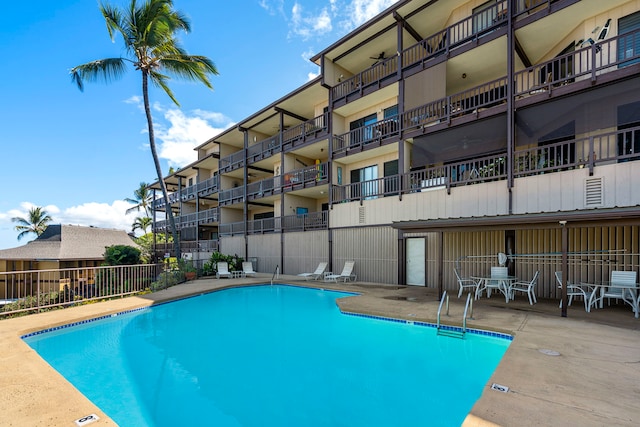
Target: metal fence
x: 41, y: 290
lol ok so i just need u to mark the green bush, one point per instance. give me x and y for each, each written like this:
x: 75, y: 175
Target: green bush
x: 166, y: 280
x: 121, y: 255
x: 211, y: 267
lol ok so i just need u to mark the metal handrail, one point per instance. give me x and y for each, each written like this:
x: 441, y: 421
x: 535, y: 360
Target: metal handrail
x: 468, y: 304
x: 444, y: 297
x: 276, y: 273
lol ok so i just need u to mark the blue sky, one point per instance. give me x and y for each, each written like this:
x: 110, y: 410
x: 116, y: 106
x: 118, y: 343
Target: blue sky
x: 79, y: 154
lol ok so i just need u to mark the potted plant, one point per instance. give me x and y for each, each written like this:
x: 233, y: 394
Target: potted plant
x: 189, y: 270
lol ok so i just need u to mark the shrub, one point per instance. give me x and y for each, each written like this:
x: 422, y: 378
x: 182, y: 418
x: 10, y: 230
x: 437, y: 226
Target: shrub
x: 211, y: 267
x: 122, y: 255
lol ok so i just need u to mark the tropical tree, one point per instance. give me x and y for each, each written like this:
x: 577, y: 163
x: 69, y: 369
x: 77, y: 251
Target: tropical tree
x: 36, y: 222
x: 148, y: 31
x: 141, y: 223
x: 141, y: 199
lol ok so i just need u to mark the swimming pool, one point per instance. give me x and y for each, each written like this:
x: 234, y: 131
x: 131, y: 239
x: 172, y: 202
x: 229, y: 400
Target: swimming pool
x: 270, y: 356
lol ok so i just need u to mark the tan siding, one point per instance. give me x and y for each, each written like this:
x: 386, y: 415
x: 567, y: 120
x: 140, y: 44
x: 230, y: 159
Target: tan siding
x: 265, y: 247
x: 303, y: 251
x: 374, y: 249
x: 232, y: 245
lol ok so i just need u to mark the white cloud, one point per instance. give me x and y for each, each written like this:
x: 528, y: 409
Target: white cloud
x: 307, y: 25
x: 177, y: 140
x: 360, y: 11
x: 312, y: 76
x: 272, y: 6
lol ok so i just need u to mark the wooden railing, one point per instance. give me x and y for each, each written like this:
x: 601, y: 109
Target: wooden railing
x: 305, y: 132
x: 208, y: 186
x: 368, y: 134
x: 263, y: 188
x: 231, y: 196
x: 189, y: 246
x: 307, y: 221
x: 263, y: 149
x: 232, y: 162
x: 306, y: 177
x: 190, y: 220
x: 372, y: 75
x: 231, y: 229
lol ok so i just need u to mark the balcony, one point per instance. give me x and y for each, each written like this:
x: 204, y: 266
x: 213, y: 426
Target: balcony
x: 304, y: 222
x: 365, y: 82
x: 232, y: 162
x: 187, y: 246
x: 589, y: 152
x: 372, y: 135
x: 208, y: 186
x: 263, y: 188
x: 231, y: 229
x: 311, y: 176
x: 264, y: 149
x: 230, y: 197
x: 189, y: 220
x: 307, y: 132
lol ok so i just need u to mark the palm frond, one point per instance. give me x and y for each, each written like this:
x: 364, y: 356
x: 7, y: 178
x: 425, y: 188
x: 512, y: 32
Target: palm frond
x: 191, y: 67
x: 159, y: 80
x: 102, y: 69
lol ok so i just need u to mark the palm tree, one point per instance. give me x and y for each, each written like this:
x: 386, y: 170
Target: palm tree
x: 37, y: 221
x: 142, y: 199
x: 148, y: 31
x: 141, y: 223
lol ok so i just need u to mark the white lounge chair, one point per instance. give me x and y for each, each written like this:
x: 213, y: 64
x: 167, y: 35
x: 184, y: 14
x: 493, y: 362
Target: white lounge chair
x: 347, y: 273
x: 575, y: 291
x: 528, y: 288
x: 316, y: 274
x: 223, y: 270
x: 247, y: 269
x: 465, y: 282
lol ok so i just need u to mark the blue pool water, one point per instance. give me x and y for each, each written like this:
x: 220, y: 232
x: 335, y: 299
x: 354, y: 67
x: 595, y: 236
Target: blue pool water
x: 270, y: 356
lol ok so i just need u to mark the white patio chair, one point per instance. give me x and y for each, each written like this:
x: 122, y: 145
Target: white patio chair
x: 496, y: 281
x: 316, y: 274
x: 347, y: 273
x: 575, y: 291
x: 621, y: 280
x: 223, y: 270
x: 247, y: 268
x: 526, y: 287
x: 464, y: 282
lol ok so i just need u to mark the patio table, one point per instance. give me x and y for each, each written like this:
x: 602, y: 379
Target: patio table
x: 504, y: 285
x: 630, y: 292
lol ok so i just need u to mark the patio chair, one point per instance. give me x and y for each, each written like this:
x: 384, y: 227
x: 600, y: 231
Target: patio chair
x: 316, y: 274
x: 575, y: 291
x: 347, y: 273
x: 526, y: 287
x: 621, y: 280
x: 464, y: 282
x: 247, y: 268
x: 496, y: 281
x: 223, y: 270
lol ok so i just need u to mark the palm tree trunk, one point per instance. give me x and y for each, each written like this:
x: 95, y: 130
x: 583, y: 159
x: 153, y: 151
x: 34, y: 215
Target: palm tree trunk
x: 156, y: 161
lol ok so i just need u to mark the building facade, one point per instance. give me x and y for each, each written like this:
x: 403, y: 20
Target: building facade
x: 438, y: 134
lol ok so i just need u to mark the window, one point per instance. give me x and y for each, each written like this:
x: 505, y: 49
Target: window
x: 392, y: 181
x: 629, y: 141
x: 190, y: 182
x: 367, y: 177
x: 362, y: 129
x: 629, y: 46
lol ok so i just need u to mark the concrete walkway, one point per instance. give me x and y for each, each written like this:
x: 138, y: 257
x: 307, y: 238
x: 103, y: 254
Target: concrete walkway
x: 595, y: 381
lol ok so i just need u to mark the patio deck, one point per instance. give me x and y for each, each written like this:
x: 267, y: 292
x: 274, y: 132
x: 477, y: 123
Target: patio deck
x: 595, y: 381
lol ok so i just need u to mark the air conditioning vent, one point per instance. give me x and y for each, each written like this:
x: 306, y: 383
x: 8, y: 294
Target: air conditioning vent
x: 593, y: 192
x: 361, y: 215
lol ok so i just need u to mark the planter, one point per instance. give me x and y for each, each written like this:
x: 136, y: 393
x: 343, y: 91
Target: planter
x: 190, y: 275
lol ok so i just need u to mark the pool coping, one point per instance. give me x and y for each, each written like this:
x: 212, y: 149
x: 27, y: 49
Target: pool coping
x: 33, y: 393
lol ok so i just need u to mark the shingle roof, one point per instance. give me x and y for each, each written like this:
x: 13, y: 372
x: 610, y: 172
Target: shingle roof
x: 69, y: 242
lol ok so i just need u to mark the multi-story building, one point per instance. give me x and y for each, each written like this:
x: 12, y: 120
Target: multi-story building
x: 439, y: 133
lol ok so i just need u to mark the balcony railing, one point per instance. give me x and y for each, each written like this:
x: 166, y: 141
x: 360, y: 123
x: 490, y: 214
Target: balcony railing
x: 373, y: 75
x: 304, y: 222
x: 589, y: 152
x: 208, y: 186
x: 228, y: 197
x: 583, y: 64
x: 305, y: 132
x: 263, y: 188
x: 231, y: 229
x: 189, y: 246
x: 265, y: 225
x: 366, y: 135
x: 232, y: 162
x: 310, y: 176
x: 190, y: 220
x: 264, y: 149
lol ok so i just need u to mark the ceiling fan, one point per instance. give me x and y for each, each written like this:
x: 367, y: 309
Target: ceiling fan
x: 380, y: 57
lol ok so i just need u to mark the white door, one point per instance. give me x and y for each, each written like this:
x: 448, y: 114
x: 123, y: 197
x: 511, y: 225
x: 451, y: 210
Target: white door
x: 416, y: 261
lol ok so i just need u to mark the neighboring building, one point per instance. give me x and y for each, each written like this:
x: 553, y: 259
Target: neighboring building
x: 63, y: 246
x: 438, y: 133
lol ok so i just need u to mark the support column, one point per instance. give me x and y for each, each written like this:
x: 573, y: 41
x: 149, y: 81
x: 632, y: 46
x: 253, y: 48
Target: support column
x: 565, y: 267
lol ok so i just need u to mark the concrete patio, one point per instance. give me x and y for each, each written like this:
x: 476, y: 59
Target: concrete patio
x: 595, y: 380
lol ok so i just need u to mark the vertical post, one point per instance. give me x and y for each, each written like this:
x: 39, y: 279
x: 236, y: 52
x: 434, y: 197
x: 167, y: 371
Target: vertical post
x: 565, y: 268
x: 440, y: 261
x: 510, y: 109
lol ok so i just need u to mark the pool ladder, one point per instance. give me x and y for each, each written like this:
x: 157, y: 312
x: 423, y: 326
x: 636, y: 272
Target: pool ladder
x: 468, y: 308
x: 276, y: 274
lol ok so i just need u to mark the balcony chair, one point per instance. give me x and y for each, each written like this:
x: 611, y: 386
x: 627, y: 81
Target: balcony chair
x: 347, y: 273
x: 465, y: 282
x: 247, y: 269
x: 316, y: 274
x: 575, y: 291
x: 223, y: 270
x: 526, y: 287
